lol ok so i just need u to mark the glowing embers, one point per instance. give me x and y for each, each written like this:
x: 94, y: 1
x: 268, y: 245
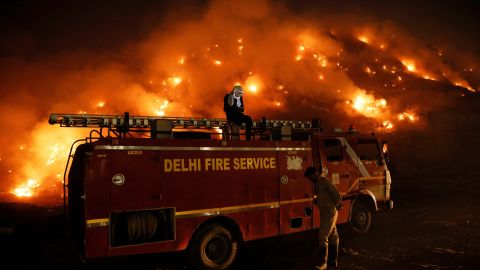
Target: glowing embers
x: 175, y: 80
x: 409, y: 64
x: 386, y: 125
x: 363, y: 38
x: 27, y: 189
x: 407, y: 116
x: 253, y: 84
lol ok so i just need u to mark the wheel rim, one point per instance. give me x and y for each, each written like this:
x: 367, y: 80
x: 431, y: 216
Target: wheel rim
x: 360, y: 220
x: 217, y: 249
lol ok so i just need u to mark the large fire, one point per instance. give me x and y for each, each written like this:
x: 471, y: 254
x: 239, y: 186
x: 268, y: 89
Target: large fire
x: 293, y: 68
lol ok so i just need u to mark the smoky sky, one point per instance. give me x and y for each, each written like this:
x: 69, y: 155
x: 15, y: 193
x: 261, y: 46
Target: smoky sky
x: 297, y: 60
x: 29, y: 28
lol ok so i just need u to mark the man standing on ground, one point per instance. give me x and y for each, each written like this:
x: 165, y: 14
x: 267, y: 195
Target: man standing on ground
x: 328, y: 201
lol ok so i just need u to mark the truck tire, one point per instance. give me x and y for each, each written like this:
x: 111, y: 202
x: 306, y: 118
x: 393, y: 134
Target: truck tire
x: 361, y: 217
x: 212, y: 247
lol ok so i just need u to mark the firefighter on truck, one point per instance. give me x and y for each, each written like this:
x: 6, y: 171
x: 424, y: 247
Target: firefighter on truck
x: 189, y: 188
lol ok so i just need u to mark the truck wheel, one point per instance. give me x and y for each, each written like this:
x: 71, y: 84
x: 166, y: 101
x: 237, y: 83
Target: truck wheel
x: 361, y: 217
x: 213, y: 247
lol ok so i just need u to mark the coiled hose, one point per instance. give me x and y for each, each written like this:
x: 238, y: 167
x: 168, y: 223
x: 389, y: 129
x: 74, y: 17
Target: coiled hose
x: 142, y: 226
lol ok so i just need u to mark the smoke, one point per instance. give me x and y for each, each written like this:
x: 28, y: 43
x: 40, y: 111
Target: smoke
x: 341, y: 68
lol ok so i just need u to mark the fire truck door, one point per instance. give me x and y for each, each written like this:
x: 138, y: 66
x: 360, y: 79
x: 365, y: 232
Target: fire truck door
x: 133, y: 181
x: 295, y: 191
x: 334, y: 160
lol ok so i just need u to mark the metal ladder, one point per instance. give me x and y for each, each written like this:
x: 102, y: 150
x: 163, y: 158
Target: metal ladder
x: 119, y: 121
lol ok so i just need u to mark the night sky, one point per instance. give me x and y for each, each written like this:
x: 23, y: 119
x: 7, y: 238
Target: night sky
x: 32, y: 27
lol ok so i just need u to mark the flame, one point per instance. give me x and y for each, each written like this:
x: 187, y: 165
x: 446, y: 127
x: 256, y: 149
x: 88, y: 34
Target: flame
x: 177, y: 80
x: 253, y: 83
x: 409, y: 64
x: 188, y: 72
x: 465, y: 85
x: 407, y: 116
x: 46, y: 160
x: 363, y: 39
x: 368, y: 105
x: 27, y: 189
x: 387, y: 124
x: 161, y: 109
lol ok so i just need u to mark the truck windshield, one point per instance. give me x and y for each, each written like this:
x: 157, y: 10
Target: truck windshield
x: 367, y: 149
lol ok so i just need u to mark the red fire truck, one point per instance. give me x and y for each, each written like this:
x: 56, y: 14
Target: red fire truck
x: 155, y: 184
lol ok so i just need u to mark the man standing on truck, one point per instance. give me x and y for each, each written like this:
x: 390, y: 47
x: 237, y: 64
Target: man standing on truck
x: 328, y: 201
x: 234, y: 108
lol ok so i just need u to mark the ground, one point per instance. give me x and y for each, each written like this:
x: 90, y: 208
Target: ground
x: 430, y: 228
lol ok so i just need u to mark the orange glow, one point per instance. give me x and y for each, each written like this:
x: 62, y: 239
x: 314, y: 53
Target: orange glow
x: 465, y: 85
x: 174, y: 81
x: 322, y: 60
x: 407, y: 116
x: 186, y: 71
x: 49, y: 149
x: 27, y: 189
x: 369, y: 71
x: 387, y: 124
x: 363, y: 39
x: 161, y: 108
x: 409, y: 64
x: 368, y: 105
x: 253, y: 84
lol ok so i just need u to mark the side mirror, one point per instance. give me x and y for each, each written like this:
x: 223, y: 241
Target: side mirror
x: 385, y: 147
x: 385, y: 150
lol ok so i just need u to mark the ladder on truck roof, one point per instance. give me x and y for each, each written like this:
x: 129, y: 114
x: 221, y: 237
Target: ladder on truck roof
x: 112, y: 121
x: 124, y: 123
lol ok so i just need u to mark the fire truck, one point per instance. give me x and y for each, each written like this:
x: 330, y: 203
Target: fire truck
x: 140, y: 184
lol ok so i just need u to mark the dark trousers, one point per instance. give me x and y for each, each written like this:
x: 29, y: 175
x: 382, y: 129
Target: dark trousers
x: 239, y: 118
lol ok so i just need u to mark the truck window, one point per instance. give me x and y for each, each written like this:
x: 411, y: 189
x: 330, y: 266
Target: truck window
x: 367, y: 149
x: 332, y: 149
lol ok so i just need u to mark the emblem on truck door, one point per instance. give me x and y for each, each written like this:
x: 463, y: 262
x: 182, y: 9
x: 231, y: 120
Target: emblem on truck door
x: 118, y: 179
x: 294, y: 163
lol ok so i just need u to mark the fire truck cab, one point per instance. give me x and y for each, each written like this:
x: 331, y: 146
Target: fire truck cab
x: 193, y: 185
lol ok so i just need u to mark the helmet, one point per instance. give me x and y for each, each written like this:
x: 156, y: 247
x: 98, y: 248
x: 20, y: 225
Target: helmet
x: 237, y: 91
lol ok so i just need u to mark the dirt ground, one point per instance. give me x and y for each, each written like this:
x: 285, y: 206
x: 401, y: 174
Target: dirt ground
x: 433, y: 228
